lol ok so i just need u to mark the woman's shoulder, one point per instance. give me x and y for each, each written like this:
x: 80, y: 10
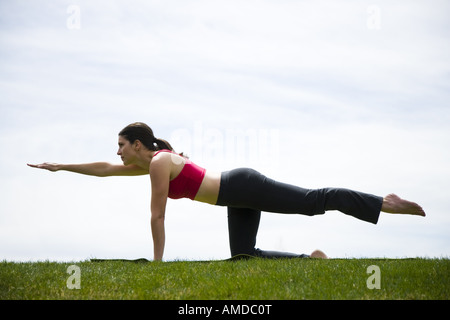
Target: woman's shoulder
x: 167, y: 158
x: 162, y: 151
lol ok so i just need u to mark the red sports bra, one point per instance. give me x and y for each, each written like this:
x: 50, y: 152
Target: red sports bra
x: 187, y: 182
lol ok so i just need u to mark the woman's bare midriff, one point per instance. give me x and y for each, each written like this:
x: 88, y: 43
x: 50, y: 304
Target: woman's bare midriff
x: 209, y: 189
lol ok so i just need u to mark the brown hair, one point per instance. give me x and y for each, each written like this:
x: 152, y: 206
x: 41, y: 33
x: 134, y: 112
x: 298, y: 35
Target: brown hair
x: 142, y: 132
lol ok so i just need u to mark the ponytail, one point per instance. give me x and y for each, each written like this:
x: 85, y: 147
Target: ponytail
x: 162, y: 144
x: 142, y: 132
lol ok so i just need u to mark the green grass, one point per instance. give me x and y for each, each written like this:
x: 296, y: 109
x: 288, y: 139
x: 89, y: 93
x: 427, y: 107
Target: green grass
x: 247, y: 279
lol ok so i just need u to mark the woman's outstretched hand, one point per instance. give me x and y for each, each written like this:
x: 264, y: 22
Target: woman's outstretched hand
x: 46, y: 165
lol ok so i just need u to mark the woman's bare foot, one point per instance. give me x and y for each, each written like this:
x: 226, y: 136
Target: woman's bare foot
x: 318, y: 254
x: 394, y: 204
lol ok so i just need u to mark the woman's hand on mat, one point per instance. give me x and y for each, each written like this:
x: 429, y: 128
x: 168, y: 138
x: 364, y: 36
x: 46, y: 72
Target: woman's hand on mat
x: 46, y: 165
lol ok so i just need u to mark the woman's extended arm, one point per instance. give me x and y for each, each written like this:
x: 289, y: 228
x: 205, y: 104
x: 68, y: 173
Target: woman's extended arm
x: 99, y: 169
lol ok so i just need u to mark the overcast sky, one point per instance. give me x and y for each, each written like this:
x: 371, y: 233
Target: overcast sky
x: 348, y: 94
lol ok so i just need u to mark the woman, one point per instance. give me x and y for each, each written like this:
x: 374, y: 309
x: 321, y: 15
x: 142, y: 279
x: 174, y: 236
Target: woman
x: 244, y: 191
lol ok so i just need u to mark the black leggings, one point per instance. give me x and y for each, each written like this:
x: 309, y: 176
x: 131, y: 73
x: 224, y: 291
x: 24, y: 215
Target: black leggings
x: 246, y: 193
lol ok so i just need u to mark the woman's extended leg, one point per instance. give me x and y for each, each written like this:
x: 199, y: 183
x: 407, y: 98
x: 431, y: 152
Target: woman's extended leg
x: 247, y: 188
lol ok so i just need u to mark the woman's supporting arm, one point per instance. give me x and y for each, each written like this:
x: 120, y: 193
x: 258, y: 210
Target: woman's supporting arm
x: 160, y: 177
x: 159, y: 237
x: 99, y: 169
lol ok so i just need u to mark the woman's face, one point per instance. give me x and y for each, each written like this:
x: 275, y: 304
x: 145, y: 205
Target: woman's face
x: 126, y: 151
